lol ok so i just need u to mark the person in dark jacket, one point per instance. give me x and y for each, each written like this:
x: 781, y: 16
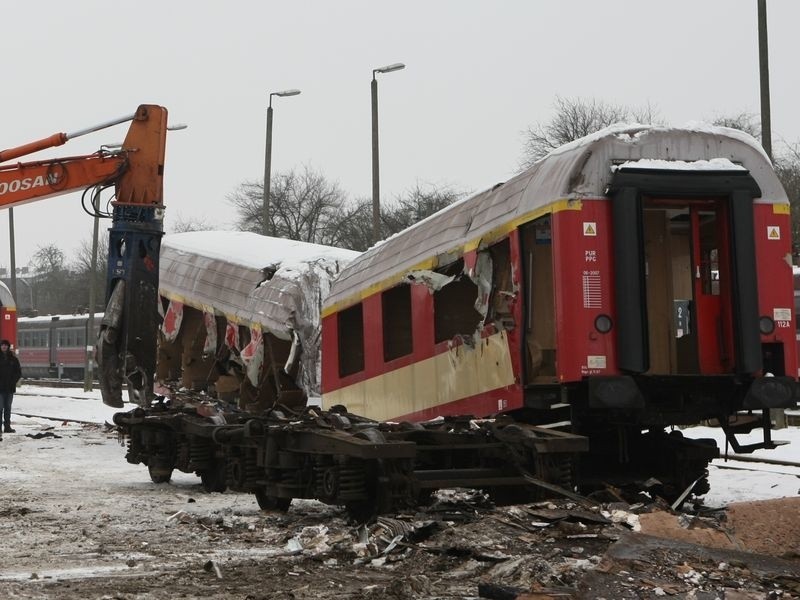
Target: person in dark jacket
x: 10, y: 373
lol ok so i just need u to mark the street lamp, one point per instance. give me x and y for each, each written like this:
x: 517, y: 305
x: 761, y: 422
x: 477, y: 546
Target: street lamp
x: 268, y: 156
x: 376, y: 186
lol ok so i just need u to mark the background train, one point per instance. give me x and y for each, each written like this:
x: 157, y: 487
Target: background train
x: 54, y: 346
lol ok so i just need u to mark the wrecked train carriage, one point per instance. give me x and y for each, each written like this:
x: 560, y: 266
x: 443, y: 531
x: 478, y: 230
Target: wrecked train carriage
x: 265, y: 443
x: 240, y: 327
x: 630, y: 281
x: 241, y: 314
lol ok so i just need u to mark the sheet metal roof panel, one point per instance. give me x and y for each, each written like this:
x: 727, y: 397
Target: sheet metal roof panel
x: 581, y: 169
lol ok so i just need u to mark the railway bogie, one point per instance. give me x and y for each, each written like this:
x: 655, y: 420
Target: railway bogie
x: 342, y: 459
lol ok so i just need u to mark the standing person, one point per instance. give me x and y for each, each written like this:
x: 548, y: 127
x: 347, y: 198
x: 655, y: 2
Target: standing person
x: 10, y: 373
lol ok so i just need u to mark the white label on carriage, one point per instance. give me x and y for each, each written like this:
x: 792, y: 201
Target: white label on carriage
x: 502, y: 404
x: 596, y: 362
x: 589, y: 228
x: 773, y: 232
x: 782, y: 314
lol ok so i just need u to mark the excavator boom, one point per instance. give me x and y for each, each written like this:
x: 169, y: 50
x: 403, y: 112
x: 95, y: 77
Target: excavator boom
x: 28, y: 182
x: 126, y: 346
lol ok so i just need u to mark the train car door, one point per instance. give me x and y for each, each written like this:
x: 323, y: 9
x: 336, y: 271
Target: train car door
x: 687, y: 286
x: 540, y: 332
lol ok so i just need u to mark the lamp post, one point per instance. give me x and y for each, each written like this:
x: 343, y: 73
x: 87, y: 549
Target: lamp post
x: 376, y: 186
x: 268, y: 157
x: 763, y: 68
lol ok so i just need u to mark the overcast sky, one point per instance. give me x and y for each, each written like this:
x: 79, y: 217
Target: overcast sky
x: 477, y: 74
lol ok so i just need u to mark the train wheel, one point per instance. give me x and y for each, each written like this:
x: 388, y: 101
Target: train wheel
x: 159, y: 474
x: 272, y: 503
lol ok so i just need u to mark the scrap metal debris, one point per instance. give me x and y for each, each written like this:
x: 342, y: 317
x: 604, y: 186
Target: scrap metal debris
x: 43, y: 434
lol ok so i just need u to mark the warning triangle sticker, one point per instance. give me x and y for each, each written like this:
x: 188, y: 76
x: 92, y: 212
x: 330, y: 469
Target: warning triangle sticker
x: 773, y: 233
x: 589, y: 229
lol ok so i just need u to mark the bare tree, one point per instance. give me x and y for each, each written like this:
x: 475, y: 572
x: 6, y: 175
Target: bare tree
x: 744, y: 121
x: 786, y: 162
x: 183, y: 224
x: 416, y: 204
x: 353, y: 225
x: 82, y: 269
x: 787, y: 166
x: 48, y: 259
x: 306, y: 206
x: 303, y: 206
x: 575, y: 118
x: 51, y: 285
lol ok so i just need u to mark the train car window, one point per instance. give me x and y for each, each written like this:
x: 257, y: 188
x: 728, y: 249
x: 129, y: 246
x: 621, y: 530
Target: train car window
x: 454, y: 311
x: 537, y: 272
x: 502, y: 286
x: 396, y: 309
x: 351, y: 340
x: 709, y: 255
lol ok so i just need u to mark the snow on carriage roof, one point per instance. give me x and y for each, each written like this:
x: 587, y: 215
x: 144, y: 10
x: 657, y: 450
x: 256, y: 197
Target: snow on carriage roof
x: 98, y: 316
x: 247, y: 277
x: 579, y: 170
x: 250, y: 249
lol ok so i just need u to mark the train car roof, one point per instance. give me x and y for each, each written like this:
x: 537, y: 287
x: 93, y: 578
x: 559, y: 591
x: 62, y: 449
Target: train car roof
x: 249, y: 278
x: 6, y: 299
x: 59, y: 318
x: 579, y: 170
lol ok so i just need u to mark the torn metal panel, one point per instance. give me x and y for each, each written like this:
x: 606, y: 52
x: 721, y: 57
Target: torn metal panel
x: 172, y: 321
x: 431, y: 279
x: 253, y: 356
x: 210, y: 321
x: 482, y: 276
x: 232, y: 336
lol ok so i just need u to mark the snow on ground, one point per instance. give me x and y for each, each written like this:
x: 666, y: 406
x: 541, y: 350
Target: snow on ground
x: 63, y: 403
x: 736, y: 481
x: 731, y: 481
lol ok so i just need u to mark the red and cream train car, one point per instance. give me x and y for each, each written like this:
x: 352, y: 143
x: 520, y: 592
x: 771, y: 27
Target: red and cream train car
x: 630, y: 281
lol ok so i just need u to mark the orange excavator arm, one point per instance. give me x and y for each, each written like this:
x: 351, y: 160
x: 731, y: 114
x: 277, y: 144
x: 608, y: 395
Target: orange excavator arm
x: 126, y: 345
x: 136, y: 169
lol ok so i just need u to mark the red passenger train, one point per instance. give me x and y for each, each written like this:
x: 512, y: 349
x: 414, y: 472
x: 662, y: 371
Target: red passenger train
x: 54, y: 346
x: 632, y: 281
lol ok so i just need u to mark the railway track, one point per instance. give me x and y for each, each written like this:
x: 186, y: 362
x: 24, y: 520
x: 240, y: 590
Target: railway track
x: 56, y: 383
x: 792, y: 419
